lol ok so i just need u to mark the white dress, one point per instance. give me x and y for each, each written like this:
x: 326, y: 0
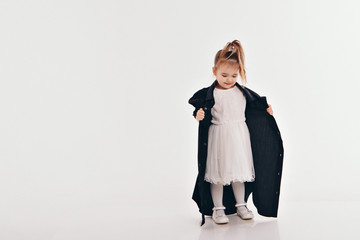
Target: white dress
x: 229, y: 154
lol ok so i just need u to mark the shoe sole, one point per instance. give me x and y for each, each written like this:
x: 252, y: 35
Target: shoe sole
x: 227, y: 221
x: 221, y: 222
x: 246, y: 218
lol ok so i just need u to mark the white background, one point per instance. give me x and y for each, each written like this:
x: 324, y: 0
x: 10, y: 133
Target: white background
x: 94, y: 111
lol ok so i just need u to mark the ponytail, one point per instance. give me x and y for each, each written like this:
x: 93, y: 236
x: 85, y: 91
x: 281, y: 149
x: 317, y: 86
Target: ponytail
x: 232, y: 53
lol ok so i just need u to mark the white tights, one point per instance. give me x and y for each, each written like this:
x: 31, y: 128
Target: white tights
x: 217, y: 193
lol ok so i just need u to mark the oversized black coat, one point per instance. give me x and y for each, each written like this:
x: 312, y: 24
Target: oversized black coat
x: 267, y: 150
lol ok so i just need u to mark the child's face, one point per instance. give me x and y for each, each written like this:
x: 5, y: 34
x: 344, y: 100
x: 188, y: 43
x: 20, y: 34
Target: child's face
x: 226, y: 75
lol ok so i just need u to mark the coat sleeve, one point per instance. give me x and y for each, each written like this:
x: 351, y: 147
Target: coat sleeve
x: 198, y: 100
x: 194, y: 113
x: 261, y: 104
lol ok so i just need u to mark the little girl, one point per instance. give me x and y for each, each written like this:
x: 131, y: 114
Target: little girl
x: 225, y: 154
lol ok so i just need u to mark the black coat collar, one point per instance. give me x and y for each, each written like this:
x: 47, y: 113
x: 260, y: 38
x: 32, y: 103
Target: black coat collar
x: 249, y: 96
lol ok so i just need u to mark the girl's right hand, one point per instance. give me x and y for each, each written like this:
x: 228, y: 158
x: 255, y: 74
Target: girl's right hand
x: 200, y: 114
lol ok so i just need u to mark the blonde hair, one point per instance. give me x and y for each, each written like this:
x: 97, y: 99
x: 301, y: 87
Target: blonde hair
x: 232, y: 54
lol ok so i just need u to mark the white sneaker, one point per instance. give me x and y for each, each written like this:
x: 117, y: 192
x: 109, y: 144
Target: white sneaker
x: 219, y: 215
x: 243, y: 212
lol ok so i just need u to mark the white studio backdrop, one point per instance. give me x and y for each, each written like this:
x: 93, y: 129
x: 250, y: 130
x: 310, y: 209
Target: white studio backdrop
x: 93, y: 98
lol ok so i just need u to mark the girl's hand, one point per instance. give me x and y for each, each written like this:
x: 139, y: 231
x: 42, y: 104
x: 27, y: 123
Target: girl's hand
x: 269, y: 110
x: 200, y: 114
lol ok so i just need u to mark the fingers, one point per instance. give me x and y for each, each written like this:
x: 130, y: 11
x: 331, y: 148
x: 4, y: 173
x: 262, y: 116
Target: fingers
x: 200, y: 114
x: 270, y: 110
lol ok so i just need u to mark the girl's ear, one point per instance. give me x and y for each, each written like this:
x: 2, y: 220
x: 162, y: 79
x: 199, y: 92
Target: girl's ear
x: 214, y: 71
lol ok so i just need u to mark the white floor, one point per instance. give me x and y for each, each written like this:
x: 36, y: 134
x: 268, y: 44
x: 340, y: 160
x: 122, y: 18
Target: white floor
x: 296, y: 220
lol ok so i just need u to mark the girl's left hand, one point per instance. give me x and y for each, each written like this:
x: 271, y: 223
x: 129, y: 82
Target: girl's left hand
x: 269, y: 110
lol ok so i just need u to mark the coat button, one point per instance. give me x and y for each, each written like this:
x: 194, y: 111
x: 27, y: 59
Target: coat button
x: 277, y: 192
x: 278, y: 173
x: 205, y: 108
x: 199, y: 165
x: 204, y: 143
x: 280, y: 154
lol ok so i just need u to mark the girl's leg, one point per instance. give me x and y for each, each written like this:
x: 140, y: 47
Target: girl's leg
x: 218, y: 211
x: 239, y: 191
x: 217, y: 194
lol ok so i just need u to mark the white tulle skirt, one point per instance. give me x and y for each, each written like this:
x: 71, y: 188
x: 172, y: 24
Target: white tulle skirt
x: 229, y: 155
